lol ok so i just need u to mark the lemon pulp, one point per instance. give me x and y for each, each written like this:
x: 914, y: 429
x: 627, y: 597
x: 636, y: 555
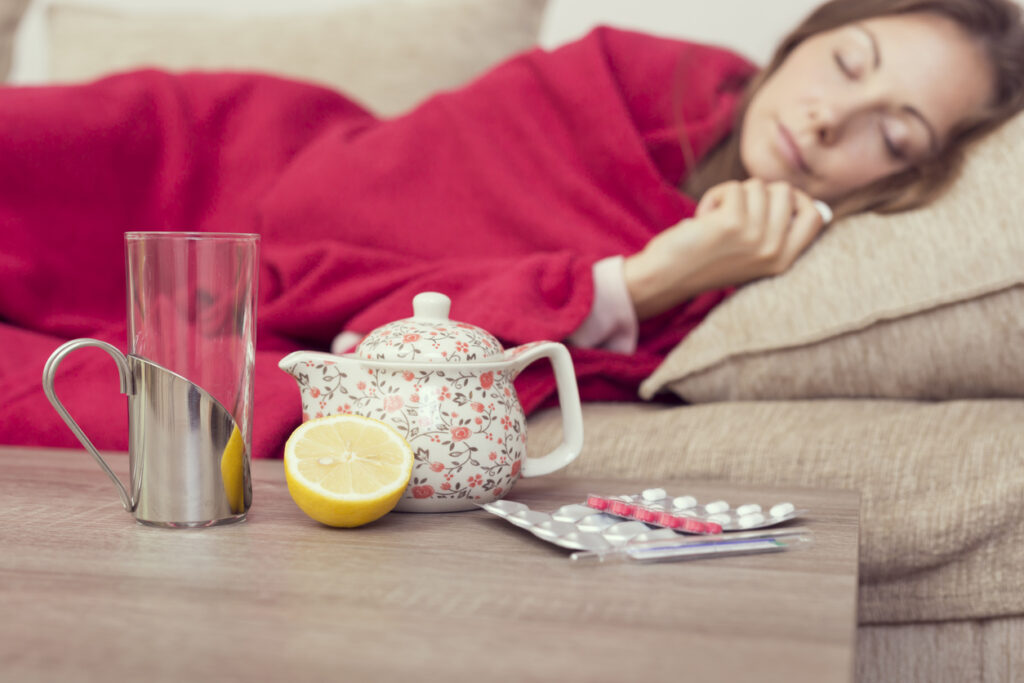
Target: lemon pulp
x: 346, y: 470
x: 232, y: 471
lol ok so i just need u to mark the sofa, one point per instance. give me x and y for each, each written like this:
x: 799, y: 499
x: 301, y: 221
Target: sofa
x: 888, y: 360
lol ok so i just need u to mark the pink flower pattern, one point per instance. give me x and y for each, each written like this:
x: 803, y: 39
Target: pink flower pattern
x: 417, y: 340
x: 422, y: 491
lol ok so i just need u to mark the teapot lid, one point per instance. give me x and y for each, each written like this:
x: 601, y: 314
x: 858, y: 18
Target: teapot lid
x: 429, y: 336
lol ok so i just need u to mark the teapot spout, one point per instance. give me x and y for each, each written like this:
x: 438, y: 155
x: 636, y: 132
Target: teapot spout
x: 298, y: 363
x: 319, y: 376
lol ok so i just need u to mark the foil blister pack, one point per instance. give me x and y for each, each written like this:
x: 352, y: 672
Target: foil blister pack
x: 652, y: 520
x: 686, y: 515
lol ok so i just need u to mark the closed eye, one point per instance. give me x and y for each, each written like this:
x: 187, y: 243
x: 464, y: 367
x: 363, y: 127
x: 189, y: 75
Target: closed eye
x: 842, y: 66
x: 891, y: 149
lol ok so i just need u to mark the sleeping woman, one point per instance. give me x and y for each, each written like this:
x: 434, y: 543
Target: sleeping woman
x: 609, y: 193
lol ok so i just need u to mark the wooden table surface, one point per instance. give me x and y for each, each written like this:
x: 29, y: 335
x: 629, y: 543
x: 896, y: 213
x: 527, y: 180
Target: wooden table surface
x: 86, y: 594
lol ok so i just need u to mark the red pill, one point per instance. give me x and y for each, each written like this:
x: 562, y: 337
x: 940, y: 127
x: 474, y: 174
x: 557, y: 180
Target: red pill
x: 668, y: 520
x: 622, y: 508
x: 645, y: 514
x: 694, y: 526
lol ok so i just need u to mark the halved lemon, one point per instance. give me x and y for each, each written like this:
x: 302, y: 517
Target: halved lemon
x: 232, y: 471
x: 346, y: 470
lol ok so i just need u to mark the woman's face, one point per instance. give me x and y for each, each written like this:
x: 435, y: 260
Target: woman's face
x: 855, y: 104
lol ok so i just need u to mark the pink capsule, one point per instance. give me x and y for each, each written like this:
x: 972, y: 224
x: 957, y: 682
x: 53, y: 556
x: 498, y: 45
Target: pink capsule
x: 645, y: 514
x: 597, y: 502
x: 668, y: 520
x: 622, y: 508
x: 691, y: 525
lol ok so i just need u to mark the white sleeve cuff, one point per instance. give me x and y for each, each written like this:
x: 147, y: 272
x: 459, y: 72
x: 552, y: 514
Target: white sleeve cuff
x: 612, y: 323
x: 346, y: 342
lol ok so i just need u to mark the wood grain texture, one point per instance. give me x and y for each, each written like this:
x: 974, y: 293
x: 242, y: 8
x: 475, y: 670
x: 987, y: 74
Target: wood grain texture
x: 87, y: 594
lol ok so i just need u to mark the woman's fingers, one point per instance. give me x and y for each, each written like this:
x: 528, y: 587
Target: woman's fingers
x: 806, y: 225
x: 755, y: 195
x: 741, y: 232
x: 726, y: 197
x: 779, y: 220
x: 762, y: 226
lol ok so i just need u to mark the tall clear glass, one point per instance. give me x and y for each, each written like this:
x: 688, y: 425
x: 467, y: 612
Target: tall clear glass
x: 192, y: 310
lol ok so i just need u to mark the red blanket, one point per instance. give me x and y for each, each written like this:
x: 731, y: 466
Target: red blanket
x: 502, y: 195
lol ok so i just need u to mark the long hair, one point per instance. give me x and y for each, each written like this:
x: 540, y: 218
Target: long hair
x: 995, y: 24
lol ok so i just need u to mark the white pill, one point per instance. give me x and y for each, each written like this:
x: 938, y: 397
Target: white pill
x: 752, y: 520
x: 654, y: 494
x: 684, y: 502
x: 825, y: 210
x: 782, y: 509
x: 716, y: 507
x: 748, y: 509
x: 720, y: 518
x: 618, y: 534
x: 571, y: 513
x: 595, y: 523
x: 552, y: 529
x: 529, y: 518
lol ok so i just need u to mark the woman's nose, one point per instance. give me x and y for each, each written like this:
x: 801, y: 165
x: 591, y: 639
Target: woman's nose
x: 825, y: 122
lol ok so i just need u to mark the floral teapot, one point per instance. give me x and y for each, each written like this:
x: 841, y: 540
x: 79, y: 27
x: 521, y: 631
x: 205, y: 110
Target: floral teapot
x: 447, y: 388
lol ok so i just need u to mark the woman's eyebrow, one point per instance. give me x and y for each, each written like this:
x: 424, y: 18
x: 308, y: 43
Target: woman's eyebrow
x: 933, y: 139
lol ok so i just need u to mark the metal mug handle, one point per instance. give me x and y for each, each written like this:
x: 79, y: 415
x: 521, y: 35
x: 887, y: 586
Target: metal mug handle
x: 127, y: 388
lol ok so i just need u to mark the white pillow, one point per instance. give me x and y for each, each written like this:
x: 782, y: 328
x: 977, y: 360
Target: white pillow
x: 749, y: 27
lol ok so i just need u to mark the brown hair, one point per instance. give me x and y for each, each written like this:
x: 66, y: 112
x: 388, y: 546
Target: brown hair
x: 996, y: 24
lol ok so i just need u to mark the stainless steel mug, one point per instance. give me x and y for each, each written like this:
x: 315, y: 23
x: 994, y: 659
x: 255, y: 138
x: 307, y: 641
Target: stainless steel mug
x: 187, y: 374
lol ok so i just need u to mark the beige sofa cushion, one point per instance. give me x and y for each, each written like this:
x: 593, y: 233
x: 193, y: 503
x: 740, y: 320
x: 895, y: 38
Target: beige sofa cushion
x: 942, y: 528
x: 388, y: 54
x: 10, y: 14
x: 926, y: 304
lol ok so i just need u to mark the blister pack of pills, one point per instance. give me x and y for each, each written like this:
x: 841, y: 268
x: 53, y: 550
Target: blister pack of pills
x: 686, y: 515
x: 605, y: 523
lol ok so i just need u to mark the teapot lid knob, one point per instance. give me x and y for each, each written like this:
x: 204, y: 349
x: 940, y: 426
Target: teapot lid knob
x: 431, y: 306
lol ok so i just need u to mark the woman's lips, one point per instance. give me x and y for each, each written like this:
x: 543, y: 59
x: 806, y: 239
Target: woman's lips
x: 791, y: 151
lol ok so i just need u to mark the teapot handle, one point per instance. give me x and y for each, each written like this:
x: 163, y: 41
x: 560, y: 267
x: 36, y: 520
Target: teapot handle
x: 568, y: 401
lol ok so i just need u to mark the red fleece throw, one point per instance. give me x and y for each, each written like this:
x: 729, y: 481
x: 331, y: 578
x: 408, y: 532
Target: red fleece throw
x: 501, y: 194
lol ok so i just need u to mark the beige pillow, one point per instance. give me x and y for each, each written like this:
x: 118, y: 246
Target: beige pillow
x: 386, y: 54
x: 927, y: 304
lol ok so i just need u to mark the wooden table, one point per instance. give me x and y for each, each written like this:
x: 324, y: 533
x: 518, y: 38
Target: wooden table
x: 86, y: 594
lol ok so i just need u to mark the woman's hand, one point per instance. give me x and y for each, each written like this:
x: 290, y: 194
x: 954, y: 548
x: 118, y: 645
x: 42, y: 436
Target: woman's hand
x: 741, y: 231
